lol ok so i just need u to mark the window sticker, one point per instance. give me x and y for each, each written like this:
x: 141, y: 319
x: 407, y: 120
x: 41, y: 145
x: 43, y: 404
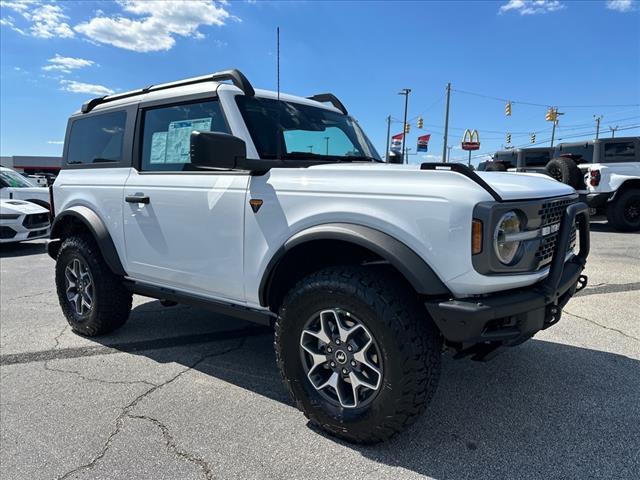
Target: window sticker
x: 158, y: 147
x: 178, y: 136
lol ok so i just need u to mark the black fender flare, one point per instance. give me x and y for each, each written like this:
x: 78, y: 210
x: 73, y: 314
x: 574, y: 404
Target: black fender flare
x: 417, y: 272
x: 98, y: 230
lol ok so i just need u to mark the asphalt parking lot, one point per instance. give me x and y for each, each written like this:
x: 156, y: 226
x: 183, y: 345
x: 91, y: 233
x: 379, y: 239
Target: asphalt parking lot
x: 179, y: 394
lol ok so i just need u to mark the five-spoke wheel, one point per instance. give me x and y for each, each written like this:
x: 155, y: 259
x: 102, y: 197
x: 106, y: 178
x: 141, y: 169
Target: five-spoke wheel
x: 79, y: 286
x: 341, y: 358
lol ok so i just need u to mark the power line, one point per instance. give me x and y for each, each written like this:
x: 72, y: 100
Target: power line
x: 545, y: 105
x: 589, y: 134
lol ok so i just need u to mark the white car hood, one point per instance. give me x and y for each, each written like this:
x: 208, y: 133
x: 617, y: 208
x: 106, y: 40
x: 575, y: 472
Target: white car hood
x: 20, y: 207
x: 510, y: 186
x: 515, y: 186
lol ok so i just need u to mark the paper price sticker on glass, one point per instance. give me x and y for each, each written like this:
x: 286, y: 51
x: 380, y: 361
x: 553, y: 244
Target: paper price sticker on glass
x: 172, y: 146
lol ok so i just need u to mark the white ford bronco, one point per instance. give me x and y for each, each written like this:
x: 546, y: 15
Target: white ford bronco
x: 277, y: 209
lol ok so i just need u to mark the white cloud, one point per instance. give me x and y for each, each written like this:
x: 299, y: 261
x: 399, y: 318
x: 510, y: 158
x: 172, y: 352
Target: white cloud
x: 531, y: 7
x: 157, y: 24
x: 45, y: 20
x: 622, y: 5
x: 55, y: 142
x: 80, y: 87
x: 66, y: 64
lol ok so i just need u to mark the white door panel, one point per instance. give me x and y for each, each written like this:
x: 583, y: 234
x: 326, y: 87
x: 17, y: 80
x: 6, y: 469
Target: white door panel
x: 190, y: 234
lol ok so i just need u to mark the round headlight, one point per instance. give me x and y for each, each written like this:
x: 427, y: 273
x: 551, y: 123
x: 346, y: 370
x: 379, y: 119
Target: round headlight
x: 506, y: 251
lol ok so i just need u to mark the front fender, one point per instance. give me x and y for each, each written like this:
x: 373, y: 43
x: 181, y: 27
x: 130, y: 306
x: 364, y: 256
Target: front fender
x: 417, y: 272
x: 89, y: 219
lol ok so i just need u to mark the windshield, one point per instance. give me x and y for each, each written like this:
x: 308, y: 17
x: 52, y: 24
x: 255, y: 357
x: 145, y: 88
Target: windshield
x: 14, y: 179
x: 296, y: 131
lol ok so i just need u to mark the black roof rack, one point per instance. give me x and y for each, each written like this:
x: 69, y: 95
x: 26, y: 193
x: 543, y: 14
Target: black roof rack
x: 331, y: 98
x: 236, y: 77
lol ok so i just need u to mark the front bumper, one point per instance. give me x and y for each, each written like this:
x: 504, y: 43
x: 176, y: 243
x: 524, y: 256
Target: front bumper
x: 597, y: 200
x: 511, y: 317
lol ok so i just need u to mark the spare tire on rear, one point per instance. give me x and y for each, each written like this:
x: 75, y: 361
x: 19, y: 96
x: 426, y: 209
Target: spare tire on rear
x: 495, y: 167
x: 566, y: 171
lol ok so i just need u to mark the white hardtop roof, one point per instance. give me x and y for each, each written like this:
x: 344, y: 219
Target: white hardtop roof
x: 199, y: 88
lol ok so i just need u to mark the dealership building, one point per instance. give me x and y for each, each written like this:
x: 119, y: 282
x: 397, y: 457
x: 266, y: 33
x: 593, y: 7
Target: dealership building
x: 32, y: 164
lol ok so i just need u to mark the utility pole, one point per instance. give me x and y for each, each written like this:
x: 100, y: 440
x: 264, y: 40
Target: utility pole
x: 555, y: 123
x: 613, y: 131
x: 386, y: 153
x: 446, y: 124
x: 405, y: 92
x: 448, y: 159
x: 598, y: 118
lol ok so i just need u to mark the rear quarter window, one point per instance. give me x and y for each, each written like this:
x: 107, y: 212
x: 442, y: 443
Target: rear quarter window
x: 620, y: 152
x: 97, y: 139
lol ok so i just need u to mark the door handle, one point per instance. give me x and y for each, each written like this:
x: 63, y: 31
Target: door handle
x: 137, y: 198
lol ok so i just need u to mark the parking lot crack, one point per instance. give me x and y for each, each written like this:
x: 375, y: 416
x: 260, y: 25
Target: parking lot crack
x: 603, y: 326
x: 97, y: 380
x: 31, y: 295
x: 171, y: 445
x: 125, y: 412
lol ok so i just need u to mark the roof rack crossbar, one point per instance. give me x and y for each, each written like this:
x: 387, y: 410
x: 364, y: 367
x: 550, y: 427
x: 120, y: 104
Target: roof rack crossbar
x: 331, y: 98
x: 236, y: 77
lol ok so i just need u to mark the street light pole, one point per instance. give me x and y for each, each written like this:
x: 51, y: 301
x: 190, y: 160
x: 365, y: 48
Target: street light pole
x: 405, y: 92
x: 446, y: 123
x: 448, y: 159
x: 327, y: 140
x: 386, y: 152
x: 613, y: 131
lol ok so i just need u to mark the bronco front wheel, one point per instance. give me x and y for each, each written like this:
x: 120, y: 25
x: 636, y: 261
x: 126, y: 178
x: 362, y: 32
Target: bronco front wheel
x: 357, y: 352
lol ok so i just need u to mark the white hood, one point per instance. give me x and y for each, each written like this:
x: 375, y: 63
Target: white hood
x: 510, y: 186
x: 516, y: 186
x: 19, y: 207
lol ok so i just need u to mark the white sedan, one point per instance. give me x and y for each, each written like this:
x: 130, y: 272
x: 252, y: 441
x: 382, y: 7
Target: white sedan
x: 20, y: 220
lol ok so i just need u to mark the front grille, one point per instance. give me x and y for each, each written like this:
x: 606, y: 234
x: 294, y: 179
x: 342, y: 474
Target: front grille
x: 37, y: 233
x: 7, y: 232
x: 36, y: 220
x: 550, y: 214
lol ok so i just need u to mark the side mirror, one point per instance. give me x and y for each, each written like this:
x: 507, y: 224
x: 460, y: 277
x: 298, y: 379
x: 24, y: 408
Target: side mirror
x: 394, y: 157
x: 217, y: 150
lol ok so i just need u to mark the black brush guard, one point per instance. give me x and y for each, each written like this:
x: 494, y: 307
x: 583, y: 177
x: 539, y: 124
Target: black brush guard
x: 479, y: 325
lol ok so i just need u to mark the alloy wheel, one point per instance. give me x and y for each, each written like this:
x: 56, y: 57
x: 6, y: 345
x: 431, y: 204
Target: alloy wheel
x: 341, y: 358
x: 79, y: 286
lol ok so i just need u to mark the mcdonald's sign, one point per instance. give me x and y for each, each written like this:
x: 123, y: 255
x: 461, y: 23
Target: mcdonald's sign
x: 471, y: 140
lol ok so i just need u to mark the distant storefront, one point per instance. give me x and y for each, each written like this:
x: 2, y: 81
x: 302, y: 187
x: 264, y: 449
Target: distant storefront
x: 32, y: 164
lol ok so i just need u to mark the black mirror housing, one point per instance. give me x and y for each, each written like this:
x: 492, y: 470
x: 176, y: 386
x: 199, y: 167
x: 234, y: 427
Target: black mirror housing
x: 217, y: 150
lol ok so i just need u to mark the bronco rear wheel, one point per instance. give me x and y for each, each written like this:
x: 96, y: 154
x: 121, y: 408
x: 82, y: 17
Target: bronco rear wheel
x: 92, y: 298
x: 357, y: 352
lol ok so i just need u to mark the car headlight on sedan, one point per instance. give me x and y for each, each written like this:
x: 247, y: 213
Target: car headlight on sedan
x: 506, y: 241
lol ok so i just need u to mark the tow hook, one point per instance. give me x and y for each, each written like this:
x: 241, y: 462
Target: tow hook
x: 582, y: 282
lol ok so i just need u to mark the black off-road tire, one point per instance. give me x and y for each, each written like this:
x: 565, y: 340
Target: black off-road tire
x: 565, y: 170
x: 624, y: 212
x: 111, y: 303
x: 410, y: 345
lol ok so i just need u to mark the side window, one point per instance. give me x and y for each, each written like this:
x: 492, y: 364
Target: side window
x: 537, y: 159
x: 97, y: 139
x: 619, y: 152
x: 167, y: 132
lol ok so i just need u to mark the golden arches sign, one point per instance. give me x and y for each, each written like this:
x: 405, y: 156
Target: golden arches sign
x: 471, y: 140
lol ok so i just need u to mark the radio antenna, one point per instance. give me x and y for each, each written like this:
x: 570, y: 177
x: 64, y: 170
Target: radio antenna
x: 278, y: 90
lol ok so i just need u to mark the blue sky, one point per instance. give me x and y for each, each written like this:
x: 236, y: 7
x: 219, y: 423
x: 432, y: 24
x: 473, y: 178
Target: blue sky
x: 582, y: 56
